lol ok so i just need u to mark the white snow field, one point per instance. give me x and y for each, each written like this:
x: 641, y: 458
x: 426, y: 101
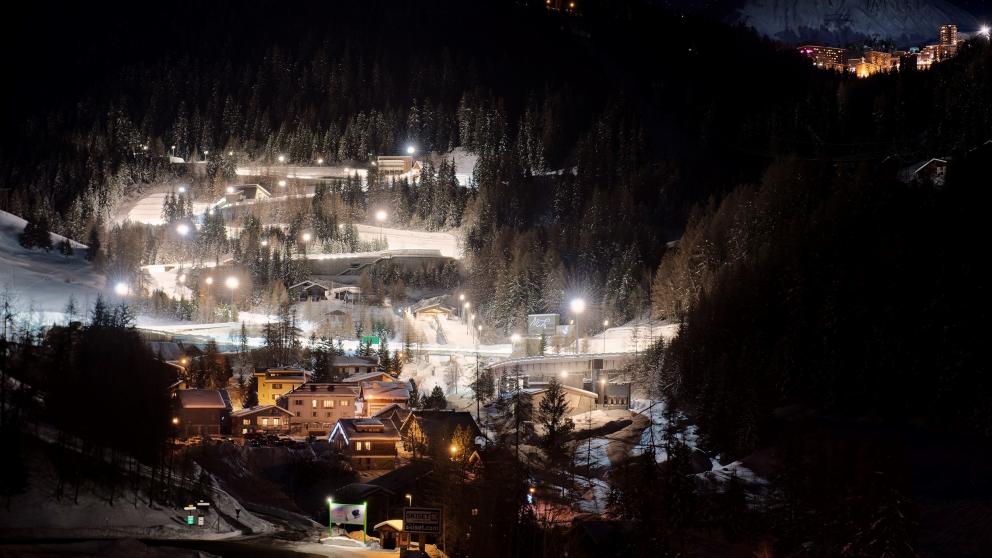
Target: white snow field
x: 39, y: 282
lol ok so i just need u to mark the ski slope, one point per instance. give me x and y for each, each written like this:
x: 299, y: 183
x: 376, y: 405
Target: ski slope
x: 40, y: 283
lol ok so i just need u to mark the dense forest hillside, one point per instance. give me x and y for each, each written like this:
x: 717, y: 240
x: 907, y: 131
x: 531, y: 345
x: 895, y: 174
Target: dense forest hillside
x: 582, y: 123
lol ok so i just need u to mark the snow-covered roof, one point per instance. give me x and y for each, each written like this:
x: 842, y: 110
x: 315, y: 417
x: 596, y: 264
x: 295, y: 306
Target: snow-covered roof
x: 369, y: 430
x: 307, y: 285
x: 201, y: 399
x: 248, y: 411
x: 397, y: 391
x: 395, y: 524
x: 367, y: 376
x: 324, y: 389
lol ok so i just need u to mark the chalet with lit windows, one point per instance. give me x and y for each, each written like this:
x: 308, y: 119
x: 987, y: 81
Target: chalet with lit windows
x: 431, y: 308
x: 430, y: 433
x: 308, y: 291
x: 273, y: 383
x: 260, y: 418
x: 349, y: 367
x: 369, y: 443
x: 375, y: 396
x: 316, y: 407
x: 201, y: 412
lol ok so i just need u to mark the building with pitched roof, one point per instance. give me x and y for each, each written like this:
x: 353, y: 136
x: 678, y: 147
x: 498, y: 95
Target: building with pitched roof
x: 428, y: 433
x: 376, y: 395
x: 316, y: 407
x: 368, y: 443
x: 273, y: 383
x: 260, y: 418
x: 201, y: 412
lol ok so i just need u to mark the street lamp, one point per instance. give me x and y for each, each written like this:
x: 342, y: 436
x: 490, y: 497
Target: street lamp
x: 515, y: 338
x: 410, y: 150
x: 320, y: 161
x: 282, y: 158
x: 380, y: 216
x: 606, y: 324
x: 182, y: 229
x: 121, y: 289
x: 578, y: 306
x: 409, y: 499
x: 209, y: 280
x: 282, y: 183
x: 985, y: 31
x: 232, y: 283
x: 602, y: 390
x: 182, y: 189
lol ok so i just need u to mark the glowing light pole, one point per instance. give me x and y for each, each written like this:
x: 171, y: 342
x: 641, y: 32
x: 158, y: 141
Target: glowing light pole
x: 606, y: 324
x: 478, y: 373
x: 232, y: 284
x: 381, y: 216
x: 410, y: 150
x: 306, y: 242
x: 578, y: 306
x: 182, y: 229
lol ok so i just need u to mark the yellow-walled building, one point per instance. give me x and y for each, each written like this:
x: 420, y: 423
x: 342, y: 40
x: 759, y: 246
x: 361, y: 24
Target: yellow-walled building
x: 273, y: 383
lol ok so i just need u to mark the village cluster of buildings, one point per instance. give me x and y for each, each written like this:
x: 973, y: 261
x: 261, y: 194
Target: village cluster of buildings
x: 876, y: 61
x: 366, y: 415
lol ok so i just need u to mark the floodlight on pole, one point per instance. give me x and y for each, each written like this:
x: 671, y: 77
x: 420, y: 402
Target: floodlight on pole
x: 182, y: 189
x: 209, y: 280
x: 410, y: 150
x: 306, y: 237
x: 121, y: 289
x: 320, y: 161
x: 282, y: 158
x: 232, y: 283
x: 182, y: 229
x: 578, y: 306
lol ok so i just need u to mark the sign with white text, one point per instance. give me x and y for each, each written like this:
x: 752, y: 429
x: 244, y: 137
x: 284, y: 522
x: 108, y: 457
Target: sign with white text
x: 427, y: 521
x: 542, y: 323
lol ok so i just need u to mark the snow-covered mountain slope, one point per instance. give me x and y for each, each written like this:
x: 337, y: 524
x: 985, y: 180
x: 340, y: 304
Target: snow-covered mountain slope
x: 40, y: 282
x: 905, y: 22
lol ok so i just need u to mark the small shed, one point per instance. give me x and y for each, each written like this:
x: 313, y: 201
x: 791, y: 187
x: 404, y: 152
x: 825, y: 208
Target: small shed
x: 391, y: 534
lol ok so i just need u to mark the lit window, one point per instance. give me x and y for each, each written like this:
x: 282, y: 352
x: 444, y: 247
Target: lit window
x: 358, y: 446
x: 265, y: 421
x: 276, y: 386
x: 313, y: 403
x: 329, y: 403
x: 245, y: 421
x: 368, y: 446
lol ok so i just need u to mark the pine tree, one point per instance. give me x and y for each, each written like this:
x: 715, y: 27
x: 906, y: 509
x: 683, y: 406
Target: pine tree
x: 65, y: 248
x: 552, y: 413
x: 436, y: 400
